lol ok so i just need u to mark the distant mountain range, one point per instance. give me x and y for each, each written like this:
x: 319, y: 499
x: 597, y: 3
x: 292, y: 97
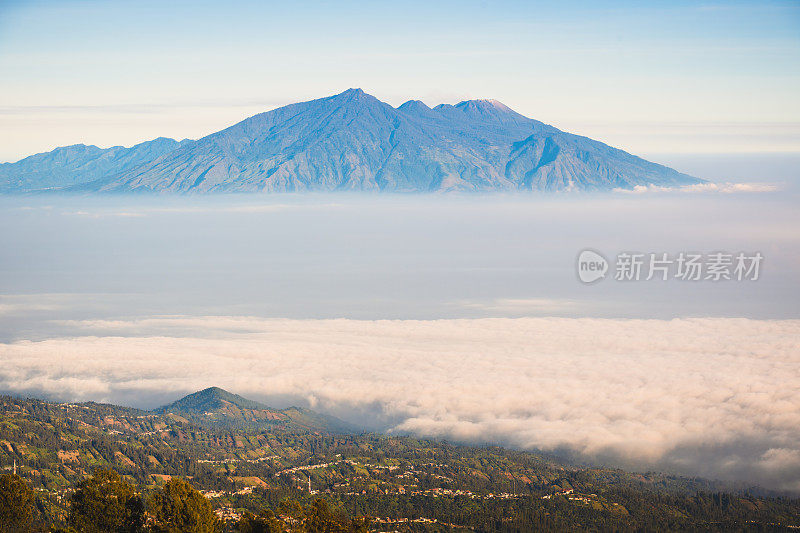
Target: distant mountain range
x: 215, y: 407
x: 351, y: 142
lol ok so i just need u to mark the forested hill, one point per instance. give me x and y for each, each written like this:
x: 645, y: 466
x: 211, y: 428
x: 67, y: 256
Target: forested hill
x: 217, y: 407
x: 211, y: 399
x: 253, y: 476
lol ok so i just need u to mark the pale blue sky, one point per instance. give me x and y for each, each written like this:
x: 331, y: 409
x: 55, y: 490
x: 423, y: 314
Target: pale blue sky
x: 649, y: 77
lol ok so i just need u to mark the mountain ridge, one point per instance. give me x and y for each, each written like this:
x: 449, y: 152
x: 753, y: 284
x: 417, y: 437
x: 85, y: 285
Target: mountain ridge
x: 354, y: 142
x: 76, y: 163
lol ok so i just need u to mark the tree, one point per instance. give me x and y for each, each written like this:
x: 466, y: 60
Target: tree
x: 320, y: 518
x: 179, y: 508
x: 16, y: 503
x: 265, y: 522
x: 106, y: 503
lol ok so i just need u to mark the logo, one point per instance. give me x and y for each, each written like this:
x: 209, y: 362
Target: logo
x: 591, y: 266
x: 684, y: 266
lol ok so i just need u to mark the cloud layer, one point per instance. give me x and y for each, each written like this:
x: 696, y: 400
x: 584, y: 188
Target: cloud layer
x: 709, y: 187
x: 712, y: 397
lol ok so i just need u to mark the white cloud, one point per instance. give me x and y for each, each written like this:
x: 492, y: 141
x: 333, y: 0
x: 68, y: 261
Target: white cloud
x: 525, y: 306
x: 711, y: 397
x: 719, y: 187
x: 727, y: 187
x: 15, y: 304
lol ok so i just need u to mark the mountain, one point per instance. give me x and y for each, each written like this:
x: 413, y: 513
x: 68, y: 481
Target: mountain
x: 217, y: 407
x: 354, y: 142
x: 211, y: 399
x: 79, y: 163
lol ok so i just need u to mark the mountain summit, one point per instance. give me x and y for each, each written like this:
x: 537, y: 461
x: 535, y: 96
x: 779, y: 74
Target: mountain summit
x: 216, y: 407
x: 211, y: 399
x: 352, y: 142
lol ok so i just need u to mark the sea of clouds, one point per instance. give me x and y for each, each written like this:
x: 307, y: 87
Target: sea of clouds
x: 714, y: 397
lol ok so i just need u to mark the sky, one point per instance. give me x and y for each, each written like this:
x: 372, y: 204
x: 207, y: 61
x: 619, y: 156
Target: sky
x: 649, y: 77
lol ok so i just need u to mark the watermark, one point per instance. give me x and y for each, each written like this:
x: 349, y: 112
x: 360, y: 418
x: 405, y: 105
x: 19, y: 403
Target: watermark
x: 592, y: 266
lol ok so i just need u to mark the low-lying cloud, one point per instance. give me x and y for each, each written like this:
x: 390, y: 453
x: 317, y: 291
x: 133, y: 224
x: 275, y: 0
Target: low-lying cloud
x: 707, y: 187
x: 713, y: 397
